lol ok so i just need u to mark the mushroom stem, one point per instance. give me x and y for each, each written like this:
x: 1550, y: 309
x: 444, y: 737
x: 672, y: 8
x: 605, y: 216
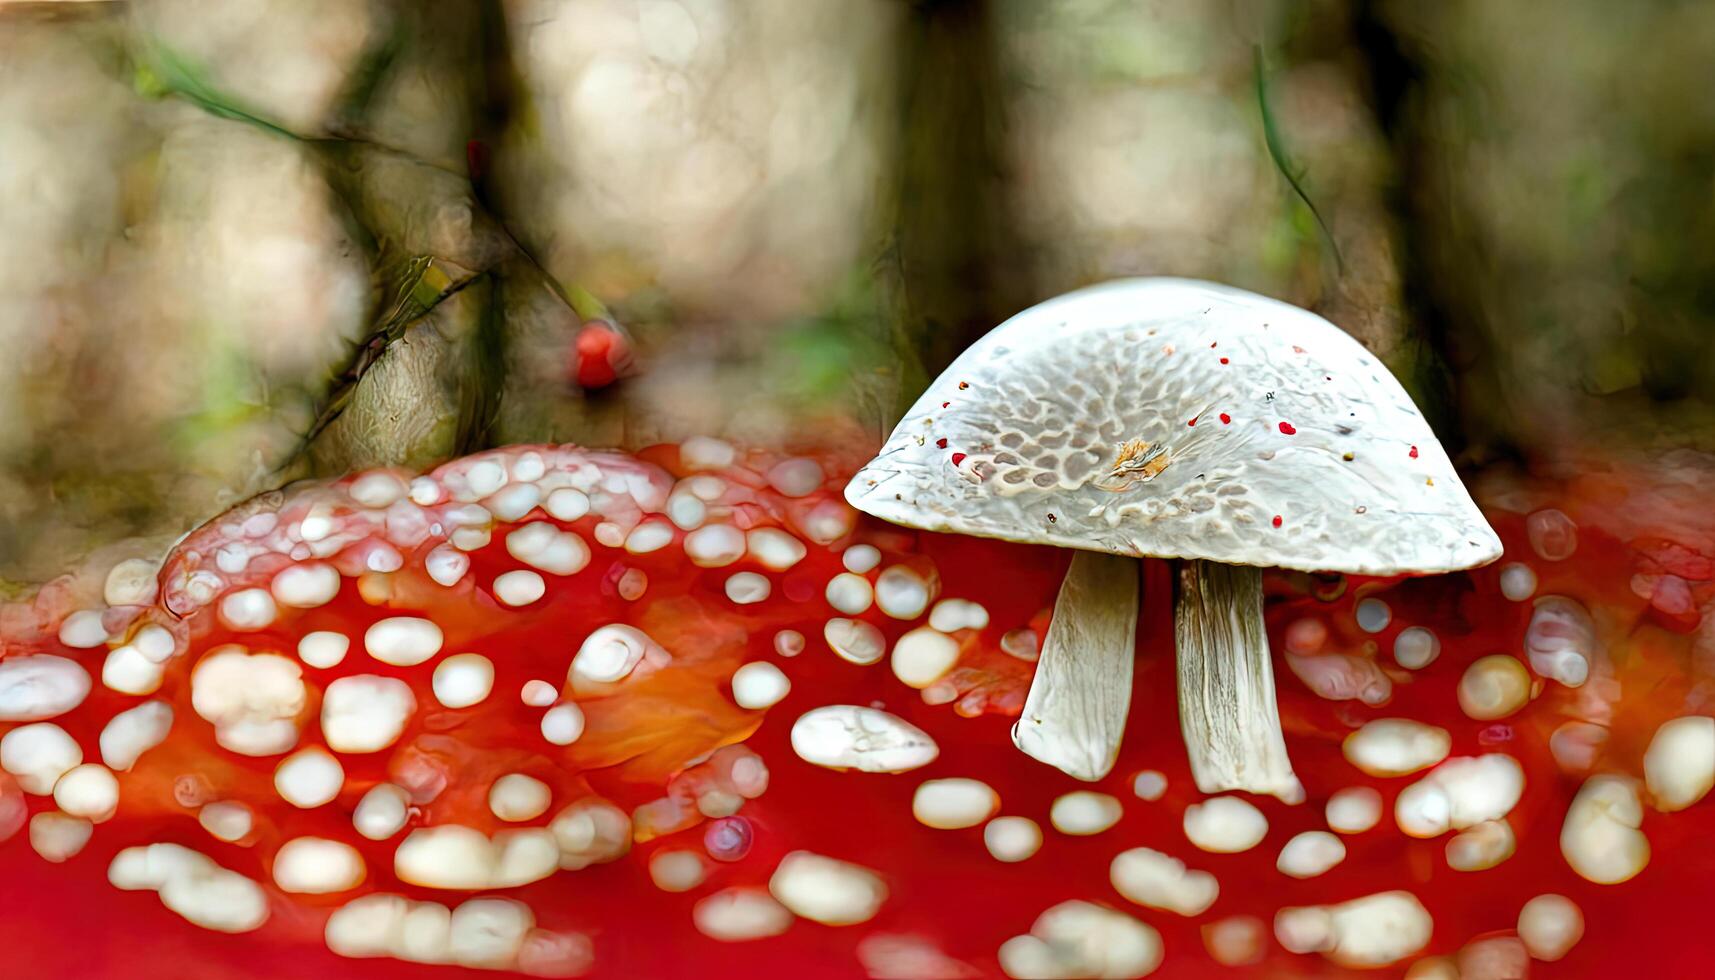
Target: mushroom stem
x: 1227, y: 712
x: 1075, y: 713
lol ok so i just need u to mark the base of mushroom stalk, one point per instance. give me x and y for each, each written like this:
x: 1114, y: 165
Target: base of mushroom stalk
x: 1075, y: 713
x: 1227, y: 710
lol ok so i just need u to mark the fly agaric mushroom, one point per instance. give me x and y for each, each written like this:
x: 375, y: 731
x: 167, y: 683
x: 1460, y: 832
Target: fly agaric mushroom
x: 847, y: 829
x: 1175, y: 419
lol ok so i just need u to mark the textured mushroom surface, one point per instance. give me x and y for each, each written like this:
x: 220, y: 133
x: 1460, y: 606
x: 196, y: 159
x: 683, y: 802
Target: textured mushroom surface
x: 1176, y: 418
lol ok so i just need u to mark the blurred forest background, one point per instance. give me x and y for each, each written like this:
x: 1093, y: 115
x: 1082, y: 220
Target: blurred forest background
x: 255, y: 240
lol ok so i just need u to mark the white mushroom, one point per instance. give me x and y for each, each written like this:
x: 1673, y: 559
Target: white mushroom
x: 1171, y: 418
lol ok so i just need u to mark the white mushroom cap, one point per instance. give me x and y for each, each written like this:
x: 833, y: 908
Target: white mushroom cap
x: 1044, y: 408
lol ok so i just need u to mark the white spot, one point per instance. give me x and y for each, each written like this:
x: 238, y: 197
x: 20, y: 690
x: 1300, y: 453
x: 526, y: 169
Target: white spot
x: 789, y: 643
x: 923, y: 656
x: 1600, y: 838
x: 1416, y: 647
x: 305, y: 585
x: 952, y: 615
x: 953, y: 804
x: 567, y: 504
x: 1482, y: 846
x: 715, y: 545
x: 517, y: 798
x: 847, y: 736
x: 860, y: 558
x: 1012, y: 839
x: 759, y: 684
x: 1460, y: 793
x: 1224, y: 825
x: 463, y: 680
x: 706, y: 453
x: 519, y: 587
x: 38, y: 755
x: 155, y: 643
x: 470, y: 538
x: 1372, y: 931
x: 464, y: 858
x: 591, y: 831
x: 88, y: 791
x: 382, y: 812
x: 686, y: 510
x: 529, y: 467
x: 309, y: 777
x: 82, y: 630
x: 40, y: 686
x: 1082, y: 813
x: 1154, y: 879
x: 1312, y: 853
x: 543, y: 546
x: 377, y: 489
x: 826, y: 890
x: 446, y: 565
x: 855, y: 640
x: 706, y: 488
x: 650, y: 535
x: 1237, y: 940
x: 513, y: 502
x: 748, y: 588
x: 191, y: 885
x: 612, y: 652
x: 1396, y: 746
x: 130, y: 733
x: 1373, y: 615
x: 850, y: 593
x: 774, y: 548
x: 484, y: 477
x: 128, y: 671
x: 1518, y: 581
x: 131, y: 583
x: 1550, y: 925
x: 795, y: 477
x: 488, y: 933
x: 226, y: 820
x: 59, y: 837
x: 828, y: 522
x: 677, y: 871
x: 901, y: 592
x: 366, y: 712
x: 317, y: 866
x: 1149, y: 785
x: 538, y: 693
x: 315, y: 527
x: 323, y: 648
x: 252, y: 700
x: 563, y: 724
x: 248, y: 609
x: 425, y: 492
x: 1081, y: 939
x: 403, y: 641
x: 1493, y: 687
x: 1679, y: 766
x: 735, y: 915
x: 1353, y: 810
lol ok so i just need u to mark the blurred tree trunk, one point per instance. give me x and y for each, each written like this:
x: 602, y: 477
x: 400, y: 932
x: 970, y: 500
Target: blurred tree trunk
x: 1559, y: 200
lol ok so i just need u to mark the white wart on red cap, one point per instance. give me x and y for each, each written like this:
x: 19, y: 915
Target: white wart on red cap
x: 1175, y: 418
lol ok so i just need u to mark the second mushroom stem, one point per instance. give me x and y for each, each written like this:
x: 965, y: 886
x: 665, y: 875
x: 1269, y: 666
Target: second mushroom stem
x: 1227, y: 710
x: 1075, y: 712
